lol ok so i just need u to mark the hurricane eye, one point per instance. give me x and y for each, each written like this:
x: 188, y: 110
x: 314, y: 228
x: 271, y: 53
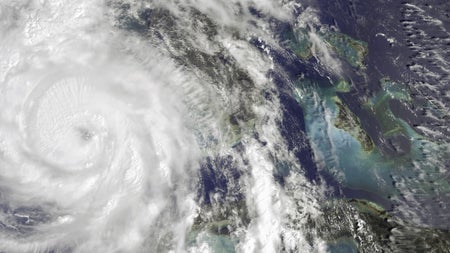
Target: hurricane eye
x: 85, y: 134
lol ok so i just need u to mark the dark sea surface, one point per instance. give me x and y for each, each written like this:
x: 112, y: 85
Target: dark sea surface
x: 225, y: 126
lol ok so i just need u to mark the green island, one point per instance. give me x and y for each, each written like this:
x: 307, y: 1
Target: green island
x: 379, y: 106
x: 351, y: 50
x: 349, y: 122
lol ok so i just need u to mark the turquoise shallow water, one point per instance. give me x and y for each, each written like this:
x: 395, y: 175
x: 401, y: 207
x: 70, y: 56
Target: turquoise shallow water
x: 214, y: 242
x: 340, y: 153
x: 221, y: 126
x: 375, y: 176
x: 343, y: 246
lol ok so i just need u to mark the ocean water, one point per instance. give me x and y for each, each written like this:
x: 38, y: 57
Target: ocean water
x: 223, y: 126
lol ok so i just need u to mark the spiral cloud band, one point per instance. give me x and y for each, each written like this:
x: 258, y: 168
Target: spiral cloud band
x: 92, y: 145
x: 144, y: 126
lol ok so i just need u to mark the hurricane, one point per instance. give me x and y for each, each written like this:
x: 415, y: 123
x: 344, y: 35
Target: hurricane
x: 224, y: 126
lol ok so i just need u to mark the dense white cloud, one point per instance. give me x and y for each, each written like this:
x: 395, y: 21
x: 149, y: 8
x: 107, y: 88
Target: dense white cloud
x: 98, y: 130
x: 90, y: 135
